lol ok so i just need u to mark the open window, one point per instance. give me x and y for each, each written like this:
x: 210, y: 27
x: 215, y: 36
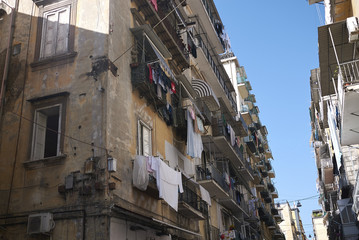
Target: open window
x: 48, y: 126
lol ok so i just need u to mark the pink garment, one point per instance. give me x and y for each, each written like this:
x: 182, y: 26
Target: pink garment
x: 192, y: 113
x: 154, y: 4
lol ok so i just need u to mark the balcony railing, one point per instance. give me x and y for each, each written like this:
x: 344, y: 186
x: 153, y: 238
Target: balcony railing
x: 219, y: 129
x: 192, y: 199
x: 213, y: 19
x: 217, y: 72
x: 240, y: 201
x: 140, y: 81
x: 349, y: 72
x: 165, y: 30
x: 211, y: 173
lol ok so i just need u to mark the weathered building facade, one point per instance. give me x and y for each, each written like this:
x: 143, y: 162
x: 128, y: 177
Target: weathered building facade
x: 119, y: 120
x: 292, y: 225
x: 334, y: 118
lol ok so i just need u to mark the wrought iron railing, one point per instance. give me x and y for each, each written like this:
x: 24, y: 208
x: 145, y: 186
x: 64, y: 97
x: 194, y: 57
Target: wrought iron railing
x: 210, y: 172
x: 213, y: 19
x: 217, y: 72
x: 191, y: 198
x: 219, y: 129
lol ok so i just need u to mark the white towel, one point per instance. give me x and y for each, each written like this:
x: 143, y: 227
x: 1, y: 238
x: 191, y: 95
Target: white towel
x: 168, y: 187
x: 205, y: 195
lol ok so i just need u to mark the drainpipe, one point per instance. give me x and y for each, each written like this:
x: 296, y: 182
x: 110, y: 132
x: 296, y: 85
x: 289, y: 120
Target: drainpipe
x: 8, y: 52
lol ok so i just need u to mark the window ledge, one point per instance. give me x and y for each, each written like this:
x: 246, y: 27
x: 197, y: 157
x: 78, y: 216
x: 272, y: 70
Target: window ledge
x: 45, y: 162
x: 53, y: 61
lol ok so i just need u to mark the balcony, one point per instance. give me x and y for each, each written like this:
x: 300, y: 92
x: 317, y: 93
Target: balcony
x: 243, y: 89
x: 191, y: 205
x: 261, y: 165
x: 348, y: 86
x: 140, y: 81
x: 260, y: 186
x: 166, y: 31
x: 246, y: 114
x: 276, y: 215
x: 213, y: 181
x: 247, y: 171
x: 206, y: 113
x: 222, y: 140
x: 271, y: 174
x: 240, y: 126
x: 207, y: 13
x: 235, y: 204
x: 216, y: 76
x: 250, y: 143
x: 327, y: 170
x: 256, y: 177
x: 152, y: 189
x: 268, y: 153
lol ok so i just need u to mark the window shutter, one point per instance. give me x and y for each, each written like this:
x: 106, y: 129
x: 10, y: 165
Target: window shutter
x: 146, y: 141
x: 63, y: 30
x: 49, y: 34
x: 40, y: 133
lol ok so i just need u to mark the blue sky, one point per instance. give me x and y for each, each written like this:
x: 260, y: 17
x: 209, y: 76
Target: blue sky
x: 276, y: 42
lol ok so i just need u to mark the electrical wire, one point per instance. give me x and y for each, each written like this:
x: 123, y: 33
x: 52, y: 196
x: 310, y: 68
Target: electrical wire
x: 57, y: 132
x: 132, y: 45
x: 302, y: 199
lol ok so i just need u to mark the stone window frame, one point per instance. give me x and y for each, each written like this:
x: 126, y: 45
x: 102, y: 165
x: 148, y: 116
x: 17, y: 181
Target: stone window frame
x: 39, y: 103
x: 57, y: 59
x: 140, y: 143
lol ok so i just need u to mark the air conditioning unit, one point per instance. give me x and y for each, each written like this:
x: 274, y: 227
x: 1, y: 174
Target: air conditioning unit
x: 40, y: 223
x: 353, y: 29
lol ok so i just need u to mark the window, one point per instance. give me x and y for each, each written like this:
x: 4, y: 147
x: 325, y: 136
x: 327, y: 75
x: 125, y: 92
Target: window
x: 144, y: 139
x: 49, y: 121
x: 55, y: 36
x: 47, y: 132
x: 55, y: 32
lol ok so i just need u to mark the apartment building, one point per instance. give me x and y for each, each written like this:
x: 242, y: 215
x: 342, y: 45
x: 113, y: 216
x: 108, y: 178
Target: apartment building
x: 334, y: 119
x: 120, y: 120
x: 292, y: 225
x: 319, y: 229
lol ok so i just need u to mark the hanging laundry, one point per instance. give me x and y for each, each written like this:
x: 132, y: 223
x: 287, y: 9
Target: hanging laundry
x: 154, y: 4
x: 205, y: 195
x: 194, y: 140
x: 140, y: 176
x: 232, y: 135
x: 173, y: 87
x: 200, y: 125
x: 150, y: 74
x: 169, y: 182
x: 192, y: 113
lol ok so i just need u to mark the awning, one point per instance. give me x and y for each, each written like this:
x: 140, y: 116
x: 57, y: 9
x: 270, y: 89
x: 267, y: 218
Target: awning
x: 206, y: 93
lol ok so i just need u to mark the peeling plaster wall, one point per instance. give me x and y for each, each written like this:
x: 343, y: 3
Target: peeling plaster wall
x: 35, y: 186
